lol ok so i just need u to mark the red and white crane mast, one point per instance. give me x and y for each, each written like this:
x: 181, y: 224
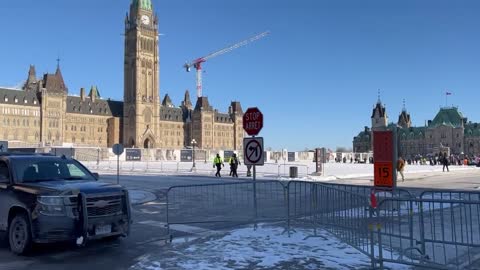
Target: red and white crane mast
x: 197, y: 63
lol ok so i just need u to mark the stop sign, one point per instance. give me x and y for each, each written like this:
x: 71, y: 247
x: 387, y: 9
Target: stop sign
x: 253, y: 121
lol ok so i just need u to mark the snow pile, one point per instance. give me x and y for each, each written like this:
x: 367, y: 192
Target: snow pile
x: 264, y: 248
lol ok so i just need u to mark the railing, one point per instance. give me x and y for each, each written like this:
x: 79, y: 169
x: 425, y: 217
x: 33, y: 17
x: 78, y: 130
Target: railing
x: 437, y: 230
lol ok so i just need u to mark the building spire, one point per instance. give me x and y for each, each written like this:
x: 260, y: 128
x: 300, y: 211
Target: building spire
x: 379, y: 101
x: 404, y: 109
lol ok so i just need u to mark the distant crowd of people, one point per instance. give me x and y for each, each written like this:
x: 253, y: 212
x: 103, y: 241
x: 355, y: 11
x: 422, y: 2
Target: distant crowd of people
x: 433, y: 160
x: 445, y: 160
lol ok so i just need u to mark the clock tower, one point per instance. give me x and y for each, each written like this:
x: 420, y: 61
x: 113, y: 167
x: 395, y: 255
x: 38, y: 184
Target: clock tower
x: 141, y: 110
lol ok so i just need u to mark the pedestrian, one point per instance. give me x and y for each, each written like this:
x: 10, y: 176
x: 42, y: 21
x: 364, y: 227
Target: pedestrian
x: 231, y: 167
x: 234, y: 165
x: 445, y: 162
x: 401, y: 167
x: 218, y: 162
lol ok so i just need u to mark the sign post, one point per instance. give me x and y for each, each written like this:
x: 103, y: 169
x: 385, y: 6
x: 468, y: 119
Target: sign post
x: 253, y: 147
x: 3, y: 146
x: 118, y: 150
x: 384, y: 155
x: 320, y: 160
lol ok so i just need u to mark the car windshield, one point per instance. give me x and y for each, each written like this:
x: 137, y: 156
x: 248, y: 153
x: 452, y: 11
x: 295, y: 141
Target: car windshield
x: 49, y: 169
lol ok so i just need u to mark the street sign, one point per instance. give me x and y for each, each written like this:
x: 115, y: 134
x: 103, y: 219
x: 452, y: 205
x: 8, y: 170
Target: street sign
x: 253, y: 121
x: 186, y: 155
x: 291, y: 156
x: 118, y: 149
x: 384, y: 158
x: 383, y: 174
x: 133, y: 154
x: 3, y: 146
x: 253, y: 151
x: 227, y: 154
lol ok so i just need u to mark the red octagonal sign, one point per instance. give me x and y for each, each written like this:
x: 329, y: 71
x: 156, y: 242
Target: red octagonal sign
x: 253, y: 121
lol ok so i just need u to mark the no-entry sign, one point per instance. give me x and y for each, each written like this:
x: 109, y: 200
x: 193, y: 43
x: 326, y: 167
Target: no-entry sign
x: 253, y: 121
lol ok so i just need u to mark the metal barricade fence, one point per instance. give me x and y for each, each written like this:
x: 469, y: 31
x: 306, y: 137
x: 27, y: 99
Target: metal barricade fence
x: 439, y: 230
x: 226, y: 203
x: 346, y: 215
x: 451, y: 227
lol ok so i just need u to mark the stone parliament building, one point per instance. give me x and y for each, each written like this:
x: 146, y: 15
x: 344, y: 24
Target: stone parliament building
x: 42, y: 113
x: 448, y: 130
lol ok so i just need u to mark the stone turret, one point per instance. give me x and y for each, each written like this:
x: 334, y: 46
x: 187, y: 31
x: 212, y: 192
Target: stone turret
x: 94, y: 93
x: 187, y: 103
x: 379, y: 116
x: 404, y: 119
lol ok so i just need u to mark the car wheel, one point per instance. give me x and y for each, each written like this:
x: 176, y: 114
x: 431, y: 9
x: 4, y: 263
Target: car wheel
x: 19, y: 234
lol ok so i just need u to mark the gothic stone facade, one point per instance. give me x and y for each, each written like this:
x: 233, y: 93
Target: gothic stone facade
x: 449, y: 129
x: 43, y: 113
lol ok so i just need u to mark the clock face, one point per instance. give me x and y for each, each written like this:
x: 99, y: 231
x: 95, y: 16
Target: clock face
x: 145, y: 20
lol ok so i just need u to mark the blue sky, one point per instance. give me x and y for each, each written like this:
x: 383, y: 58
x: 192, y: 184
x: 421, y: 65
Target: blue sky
x: 315, y: 77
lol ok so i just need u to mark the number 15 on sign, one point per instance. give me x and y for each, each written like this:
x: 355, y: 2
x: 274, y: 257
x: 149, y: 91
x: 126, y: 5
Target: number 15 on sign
x: 383, y: 174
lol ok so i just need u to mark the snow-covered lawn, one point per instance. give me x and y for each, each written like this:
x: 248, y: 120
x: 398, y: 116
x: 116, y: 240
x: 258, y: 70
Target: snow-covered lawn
x: 332, y: 171
x: 267, y: 247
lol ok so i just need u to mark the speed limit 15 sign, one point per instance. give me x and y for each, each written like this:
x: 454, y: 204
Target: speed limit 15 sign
x: 383, y: 174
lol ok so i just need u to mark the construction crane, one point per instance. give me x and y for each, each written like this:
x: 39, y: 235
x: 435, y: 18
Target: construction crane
x: 197, y: 63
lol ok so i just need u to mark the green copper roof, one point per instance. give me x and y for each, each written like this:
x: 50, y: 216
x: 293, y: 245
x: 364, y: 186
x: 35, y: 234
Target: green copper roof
x: 143, y: 4
x: 448, y: 117
x: 412, y: 133
x: 472, y: 130
x: 363, y: 136
x: 94, y: 92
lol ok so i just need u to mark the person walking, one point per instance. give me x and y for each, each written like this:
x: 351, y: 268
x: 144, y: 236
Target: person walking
x: 401, y: 167
x: 218, y: 162
x: 234, y: 165
x: 445, y: 162
x: 231, y: 167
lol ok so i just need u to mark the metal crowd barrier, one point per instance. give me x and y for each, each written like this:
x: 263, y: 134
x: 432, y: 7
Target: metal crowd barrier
x: 226, y: 203
x: 437, y: 230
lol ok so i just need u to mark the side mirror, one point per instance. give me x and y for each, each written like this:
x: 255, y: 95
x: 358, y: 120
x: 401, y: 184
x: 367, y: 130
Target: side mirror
x: 96, y: 175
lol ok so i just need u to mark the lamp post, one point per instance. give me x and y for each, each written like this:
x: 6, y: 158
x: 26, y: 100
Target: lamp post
x: 193, y: 154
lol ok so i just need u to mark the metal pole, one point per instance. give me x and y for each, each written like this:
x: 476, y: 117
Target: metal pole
x: 255, y: 192
x: 395, y: 155
x: 118, y: 169
x: 193, y: 156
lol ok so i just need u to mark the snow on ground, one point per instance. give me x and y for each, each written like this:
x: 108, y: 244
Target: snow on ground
x: 332, y: 171
x: 267, y: 247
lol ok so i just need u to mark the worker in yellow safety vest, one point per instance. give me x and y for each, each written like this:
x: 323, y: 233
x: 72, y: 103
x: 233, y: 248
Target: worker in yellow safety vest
x: 218, y: 162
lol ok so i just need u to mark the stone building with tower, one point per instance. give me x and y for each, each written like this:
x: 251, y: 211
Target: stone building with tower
x: 448, y: 129
x: 44, y: 113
